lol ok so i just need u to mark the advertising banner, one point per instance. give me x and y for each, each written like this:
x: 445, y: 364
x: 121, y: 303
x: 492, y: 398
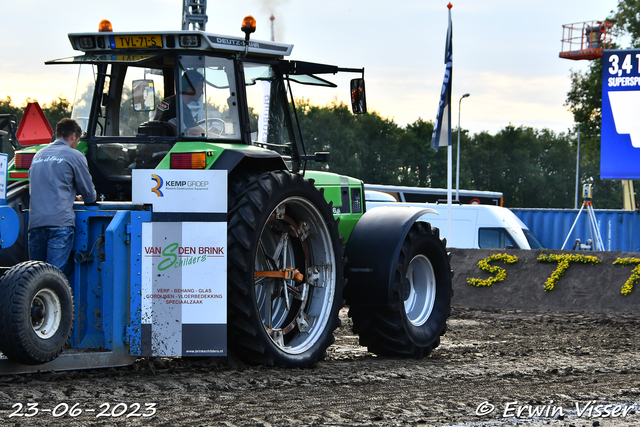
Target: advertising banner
x: 184, y: 289
x: 263, y: 118
x: 620, y: 133
x: 172, y: 190
x: 184, y: 263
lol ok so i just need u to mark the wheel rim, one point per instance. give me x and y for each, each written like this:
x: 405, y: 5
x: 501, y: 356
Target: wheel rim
x: 46, y: 313
x: 420, y: 290
x: 295, y: 275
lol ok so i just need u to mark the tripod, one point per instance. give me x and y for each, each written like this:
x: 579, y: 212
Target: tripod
x: 593, y: 226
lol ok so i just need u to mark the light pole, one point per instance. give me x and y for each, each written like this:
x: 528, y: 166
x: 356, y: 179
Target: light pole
x: 458, y: 161
x: 577, y: 169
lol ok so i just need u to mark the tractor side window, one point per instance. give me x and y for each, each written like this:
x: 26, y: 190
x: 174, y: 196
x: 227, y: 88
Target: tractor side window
x: 207, y: 99
x: 268, y: 116
x: 142, y: 91
x: 84, y: 94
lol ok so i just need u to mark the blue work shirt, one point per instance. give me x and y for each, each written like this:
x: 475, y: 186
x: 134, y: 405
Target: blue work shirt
x: 58, y: 172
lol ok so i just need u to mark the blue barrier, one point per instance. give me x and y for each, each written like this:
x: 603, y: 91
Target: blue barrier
x: 620, y: 230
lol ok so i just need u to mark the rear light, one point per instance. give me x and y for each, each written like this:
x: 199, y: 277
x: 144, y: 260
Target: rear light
x: 188, y: 161
x: 23, y: 160
x: 16, y: 175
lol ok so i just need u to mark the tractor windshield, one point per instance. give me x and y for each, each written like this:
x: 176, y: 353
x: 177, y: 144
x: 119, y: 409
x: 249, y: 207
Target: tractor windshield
x: 192, y: 96
x: 267, y: 104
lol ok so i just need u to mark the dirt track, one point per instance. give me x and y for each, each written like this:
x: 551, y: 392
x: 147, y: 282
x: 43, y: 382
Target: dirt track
x: 497, y: 357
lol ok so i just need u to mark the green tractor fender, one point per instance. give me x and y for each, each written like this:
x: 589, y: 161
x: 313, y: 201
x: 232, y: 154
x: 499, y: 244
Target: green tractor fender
x: 229, y: 156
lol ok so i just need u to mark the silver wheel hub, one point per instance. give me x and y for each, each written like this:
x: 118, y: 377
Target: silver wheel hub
x: 419, y: 290
x: 46, y: 313
x: 295, y: 276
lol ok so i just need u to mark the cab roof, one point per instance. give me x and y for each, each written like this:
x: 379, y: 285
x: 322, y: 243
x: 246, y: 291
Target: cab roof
x: 163, y: 41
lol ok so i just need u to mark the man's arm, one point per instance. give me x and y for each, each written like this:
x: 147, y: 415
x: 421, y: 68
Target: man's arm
x: 190, y: 124
x: 84, y: 184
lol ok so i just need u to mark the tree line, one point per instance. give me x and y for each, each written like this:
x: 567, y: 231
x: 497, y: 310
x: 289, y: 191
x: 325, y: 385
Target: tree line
x: 532, y: 168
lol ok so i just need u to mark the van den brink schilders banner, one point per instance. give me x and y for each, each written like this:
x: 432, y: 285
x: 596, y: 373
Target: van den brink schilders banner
x: 184, y: 263
x: 184, y: 306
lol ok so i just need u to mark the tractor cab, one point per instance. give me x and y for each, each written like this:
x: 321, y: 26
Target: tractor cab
x: 139, y: 94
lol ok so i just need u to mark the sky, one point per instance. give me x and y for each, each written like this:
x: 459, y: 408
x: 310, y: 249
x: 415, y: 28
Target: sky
x: 505, y: 53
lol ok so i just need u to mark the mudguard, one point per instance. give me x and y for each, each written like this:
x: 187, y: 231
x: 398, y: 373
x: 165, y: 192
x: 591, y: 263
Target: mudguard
x: 372, y: 251
x: 229, y: 159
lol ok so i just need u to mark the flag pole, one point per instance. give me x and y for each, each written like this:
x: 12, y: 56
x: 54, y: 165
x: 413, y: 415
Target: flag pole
x: 449, y: 191
x: 449, y: 142
x: 443, y: 120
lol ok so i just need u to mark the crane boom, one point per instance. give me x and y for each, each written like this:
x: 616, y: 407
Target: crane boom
x: 194, y: 14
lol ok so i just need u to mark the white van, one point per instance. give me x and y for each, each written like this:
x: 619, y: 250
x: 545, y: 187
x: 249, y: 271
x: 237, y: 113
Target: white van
x: 472, y: 226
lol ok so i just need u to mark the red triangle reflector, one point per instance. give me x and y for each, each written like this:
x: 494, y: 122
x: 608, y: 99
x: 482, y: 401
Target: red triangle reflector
x: 34, y: 128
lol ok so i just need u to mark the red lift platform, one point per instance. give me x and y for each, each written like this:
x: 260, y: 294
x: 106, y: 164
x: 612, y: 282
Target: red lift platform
x: 586, y: 40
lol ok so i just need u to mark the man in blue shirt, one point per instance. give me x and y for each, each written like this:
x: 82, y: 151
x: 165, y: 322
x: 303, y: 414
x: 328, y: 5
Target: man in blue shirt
x: 58, y: 173
x: 192, y: 83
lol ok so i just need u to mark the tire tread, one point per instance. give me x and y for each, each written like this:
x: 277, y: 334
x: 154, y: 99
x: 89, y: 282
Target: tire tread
x: 14, y: 291
x: 249, y: 194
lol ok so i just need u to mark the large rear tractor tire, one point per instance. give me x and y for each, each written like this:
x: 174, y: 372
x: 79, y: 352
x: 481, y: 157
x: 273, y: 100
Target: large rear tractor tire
x: 17, y: 194
x: 284, y: 270
x: 36, y: 313
x: 412, y: 325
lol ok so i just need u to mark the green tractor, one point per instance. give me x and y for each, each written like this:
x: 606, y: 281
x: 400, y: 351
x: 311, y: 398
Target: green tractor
x: 299, y: 243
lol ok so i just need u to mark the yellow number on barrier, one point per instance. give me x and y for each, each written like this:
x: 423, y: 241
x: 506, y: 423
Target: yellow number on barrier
x: 563, y: 263
x: 635, y: 273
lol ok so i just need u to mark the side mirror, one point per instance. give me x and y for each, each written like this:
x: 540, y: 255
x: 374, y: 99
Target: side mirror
x: 358, y: 98
x: 144, y: 97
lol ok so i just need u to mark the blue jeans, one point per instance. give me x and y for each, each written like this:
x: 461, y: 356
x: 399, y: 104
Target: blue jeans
x: 51, y: 244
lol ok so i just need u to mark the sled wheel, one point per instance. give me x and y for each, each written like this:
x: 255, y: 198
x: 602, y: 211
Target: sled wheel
x: 17, y: 193
x: 284, y: 270
x: 412, y: 325
x: 36, y: 313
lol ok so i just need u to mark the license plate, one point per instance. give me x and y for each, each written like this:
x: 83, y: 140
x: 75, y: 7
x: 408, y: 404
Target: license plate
x: 136, y: 42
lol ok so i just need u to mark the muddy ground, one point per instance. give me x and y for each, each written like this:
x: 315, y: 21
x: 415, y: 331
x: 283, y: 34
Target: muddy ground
x: 545, y: 360
x: 570, y: 368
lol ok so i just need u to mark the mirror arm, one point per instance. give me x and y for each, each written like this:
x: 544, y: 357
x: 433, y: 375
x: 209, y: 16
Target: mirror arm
x: 319, y: 156
x: 352, y: 70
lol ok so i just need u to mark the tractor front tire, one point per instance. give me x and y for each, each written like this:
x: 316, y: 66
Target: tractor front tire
x: 36, y: 313
x: 412, y: 324
x: 284, y: 270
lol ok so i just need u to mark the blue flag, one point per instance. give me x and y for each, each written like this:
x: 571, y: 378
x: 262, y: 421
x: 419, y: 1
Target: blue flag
x: 442, y: 130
